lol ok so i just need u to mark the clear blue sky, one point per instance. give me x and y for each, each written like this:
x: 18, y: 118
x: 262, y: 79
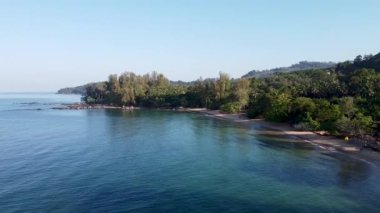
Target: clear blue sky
x: 46, y: 45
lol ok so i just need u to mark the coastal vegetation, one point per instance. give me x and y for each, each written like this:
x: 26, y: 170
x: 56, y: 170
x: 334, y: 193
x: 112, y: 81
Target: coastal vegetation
x: 343, y: 99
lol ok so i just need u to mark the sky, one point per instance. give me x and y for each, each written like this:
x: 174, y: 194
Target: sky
x: 46, y: 45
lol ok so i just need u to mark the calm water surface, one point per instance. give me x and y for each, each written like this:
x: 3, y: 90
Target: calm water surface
x: 152, y: 161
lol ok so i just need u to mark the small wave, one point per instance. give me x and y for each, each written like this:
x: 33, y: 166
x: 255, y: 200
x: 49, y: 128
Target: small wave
x: 28, y: 103
x: 12, y: 110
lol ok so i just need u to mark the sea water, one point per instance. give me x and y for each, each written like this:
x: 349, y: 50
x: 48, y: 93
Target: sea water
x: 162, y: 161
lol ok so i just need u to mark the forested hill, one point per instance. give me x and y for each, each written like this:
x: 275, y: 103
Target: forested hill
x: 302, y: 65
x: 366, y: 61
x: 80, y: 90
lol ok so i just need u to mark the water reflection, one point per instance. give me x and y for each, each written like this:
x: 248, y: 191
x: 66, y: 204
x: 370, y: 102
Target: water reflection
x: 350, y: 170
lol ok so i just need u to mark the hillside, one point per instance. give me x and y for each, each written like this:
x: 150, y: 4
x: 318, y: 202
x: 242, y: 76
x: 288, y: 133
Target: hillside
x: 80, y: 90
x: 302, y: 65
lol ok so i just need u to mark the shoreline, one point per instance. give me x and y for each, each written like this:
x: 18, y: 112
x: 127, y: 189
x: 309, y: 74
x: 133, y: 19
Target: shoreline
x: 79, y: 106
x: 329, y: 143
x: 283, y: 131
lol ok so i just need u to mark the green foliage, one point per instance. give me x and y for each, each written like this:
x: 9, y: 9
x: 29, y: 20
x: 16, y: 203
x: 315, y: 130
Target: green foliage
x: 258, y: 104
x: 96, y: 93
x: 347, y: 106
x: 278, y: 109
x: 358, y: 125
x: 231, y: 107
x: 201, y: 93
x: 326, y: 111
x: 322, y: 99
x: 222, y: 87
x: 365, y: 83
x: 326, y: 114
x: 301, y: 107
x: 308, y: 123
x: 241, y: 92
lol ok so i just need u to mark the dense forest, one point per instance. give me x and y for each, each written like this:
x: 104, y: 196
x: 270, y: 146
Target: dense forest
x: 81, y: 90
x: 344, y: 99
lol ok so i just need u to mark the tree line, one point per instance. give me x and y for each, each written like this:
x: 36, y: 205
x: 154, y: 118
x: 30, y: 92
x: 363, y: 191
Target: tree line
x: 344, y: 99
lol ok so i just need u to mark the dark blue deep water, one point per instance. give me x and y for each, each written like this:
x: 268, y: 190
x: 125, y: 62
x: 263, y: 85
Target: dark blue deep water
x: 157, y: 161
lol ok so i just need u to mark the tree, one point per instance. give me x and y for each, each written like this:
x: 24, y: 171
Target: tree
x: 358, y: 60
x: 158, y: 88
x: 279, y: 105
x: 113, y: 87
x: 96, y: 93
x: 301, y: 107
x: 241, y: 92
x: 326, y: 114
x: 197, y: 94
x: 365, y: 83
x: 126, y: 89
x: 222, y: 87
x: 347, y: 106
x: 360, y: 125
x: 230, y: 107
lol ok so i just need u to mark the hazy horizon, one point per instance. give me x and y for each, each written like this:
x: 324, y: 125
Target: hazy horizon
x: 48, y: 45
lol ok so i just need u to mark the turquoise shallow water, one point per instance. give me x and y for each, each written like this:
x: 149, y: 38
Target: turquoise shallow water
x: 156, y: 161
